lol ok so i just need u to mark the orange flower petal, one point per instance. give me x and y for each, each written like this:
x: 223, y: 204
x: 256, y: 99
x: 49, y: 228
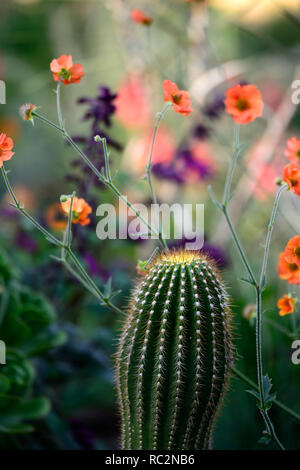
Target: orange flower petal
x: 244, y: 103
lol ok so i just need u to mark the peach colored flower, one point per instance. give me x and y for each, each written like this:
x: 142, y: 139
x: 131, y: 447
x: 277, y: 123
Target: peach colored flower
x: 6, y: 146
x: 138, y: 16
x: 133, y: 103
x: 292, y: 250
x: 63, y: 69
x: 137, y: 151
x: 179, y: 98
x: 244, y: 103
x: 292, y: 151
x: 265, y: 176
x: 286, y: 304
x: 55, y: 217
x: 291, y: 175
x: 290, y: 272
x: 80, y: 210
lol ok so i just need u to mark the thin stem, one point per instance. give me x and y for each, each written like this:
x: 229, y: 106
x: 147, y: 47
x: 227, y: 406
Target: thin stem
x: 90, y: 281
x: 272, y: 431
x: 71, y: 142
x: 269, y: 235
x: 279, y: 327
x: 159, y: 118
x: 70, y: 220
x: 259, y: 289
x: 259, y: 361
x: 116, y: 191
x: 253, y: 385
x: 239, y: 246
x: 17, y: 206
x: 58, y: 105
x: 78, y: 277
x: 106, y: 157
x: 236, y: 154
x: 68, y: 232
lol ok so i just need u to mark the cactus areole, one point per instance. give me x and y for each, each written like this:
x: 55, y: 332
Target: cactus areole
x: 175, y: 355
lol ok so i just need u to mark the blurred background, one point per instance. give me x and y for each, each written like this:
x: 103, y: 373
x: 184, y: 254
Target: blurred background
x: 57, y: 388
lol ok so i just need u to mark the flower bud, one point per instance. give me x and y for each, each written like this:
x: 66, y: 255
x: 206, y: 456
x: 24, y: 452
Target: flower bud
x: 26, y: 111
x: 249, y: 311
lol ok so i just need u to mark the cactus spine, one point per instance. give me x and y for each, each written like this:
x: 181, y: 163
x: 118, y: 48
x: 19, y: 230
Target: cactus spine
x: 174, y: 355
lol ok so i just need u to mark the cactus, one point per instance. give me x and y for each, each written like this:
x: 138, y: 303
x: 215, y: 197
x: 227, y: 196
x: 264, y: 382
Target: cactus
x: 175, y: 355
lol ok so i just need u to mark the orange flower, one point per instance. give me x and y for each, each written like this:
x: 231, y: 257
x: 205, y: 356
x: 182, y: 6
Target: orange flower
x: 179, y: 98
x: 244, y: 103
x: 291, y: 175
x: 288, y: 271
x: 6, y: 146
x: 80, y: 210
x: 140, y: 17
x: 63, y: 69
x: 55, y: 217
x: 286, y: 304
x: 292, y: 150
x: 292, y: 250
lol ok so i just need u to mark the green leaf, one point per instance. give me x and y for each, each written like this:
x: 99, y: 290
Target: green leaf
x: 44, y: 341
x: 268, y: 396
x: 249, y: 281
x: 254, y: 393
x: 18, y: 409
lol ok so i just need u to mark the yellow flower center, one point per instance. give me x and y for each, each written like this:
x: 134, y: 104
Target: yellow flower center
x: 293, y: 267
x: 242, y: 104
x: 297, y: 251
x: 64, y: 74
x: 176, y: 98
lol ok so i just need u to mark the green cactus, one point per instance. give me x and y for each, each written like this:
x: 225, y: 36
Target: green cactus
x: 174, y: 355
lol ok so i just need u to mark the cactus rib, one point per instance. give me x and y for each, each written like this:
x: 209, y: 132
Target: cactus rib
x: 174, y: 355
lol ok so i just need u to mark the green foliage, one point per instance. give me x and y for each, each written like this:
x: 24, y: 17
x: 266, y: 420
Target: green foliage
x: 174, y: 356
x: 26, y: 320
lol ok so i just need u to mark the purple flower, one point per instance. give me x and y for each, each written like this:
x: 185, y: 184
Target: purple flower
x: 201, y: 168
x: 184, y: 163
x: 94, y: 267
x: 217, y: 254
x: 201, y: 132
x: 25, y: 242
x: 101, y: 108
x: 168, y: 172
